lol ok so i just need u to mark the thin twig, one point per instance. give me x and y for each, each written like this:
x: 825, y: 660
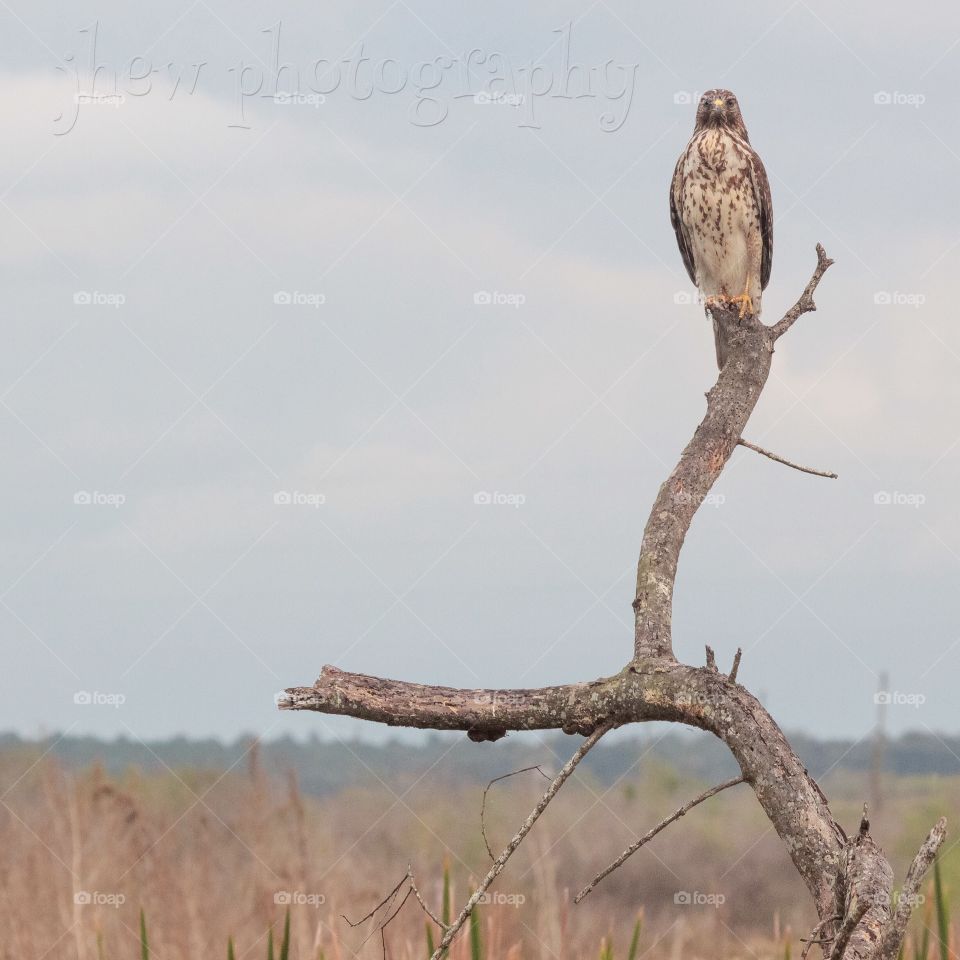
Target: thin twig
x: 501, y: 861
x: 847, y: 928
x: 829, y: 474
x: 637, y: 844
x: 814, y: 939
x: 736, y: 665
x: 483, y: 803
x: 420, y: 900
x: 805, y: 304
x: 897, y: 926
x: 382, y: 903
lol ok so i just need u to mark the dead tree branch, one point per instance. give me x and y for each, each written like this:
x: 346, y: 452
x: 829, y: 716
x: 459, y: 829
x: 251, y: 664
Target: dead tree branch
x: 897, y: 928
x: 805, y: 304
x: 840, y: 874
x: 663, y: 824
x: 829, y: 474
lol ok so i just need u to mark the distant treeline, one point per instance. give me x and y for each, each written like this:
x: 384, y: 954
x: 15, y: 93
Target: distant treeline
x: 326, y: 766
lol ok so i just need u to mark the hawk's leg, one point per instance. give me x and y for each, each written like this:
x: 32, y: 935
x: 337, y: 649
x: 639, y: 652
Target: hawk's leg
x: 746, y: 304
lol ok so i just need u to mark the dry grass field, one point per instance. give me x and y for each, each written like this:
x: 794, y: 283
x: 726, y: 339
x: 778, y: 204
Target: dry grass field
x: 208, y: 857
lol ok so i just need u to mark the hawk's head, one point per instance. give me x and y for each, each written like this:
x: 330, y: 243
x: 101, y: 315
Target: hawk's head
x: 719, y: 108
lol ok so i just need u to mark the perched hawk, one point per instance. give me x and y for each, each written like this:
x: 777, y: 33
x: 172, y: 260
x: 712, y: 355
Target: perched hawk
x: 721, y: 210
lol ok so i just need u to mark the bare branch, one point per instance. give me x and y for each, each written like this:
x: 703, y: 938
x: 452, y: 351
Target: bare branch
x: 736, y: 665
x: 420, y: 900
x: 637, y: 844
x: 711, y: 658
x: 518, y: 838
x: 897, y: 928
x: 483, y: 802
x: 787, y: 463
x: 847, y: 928
x: 805, y: 304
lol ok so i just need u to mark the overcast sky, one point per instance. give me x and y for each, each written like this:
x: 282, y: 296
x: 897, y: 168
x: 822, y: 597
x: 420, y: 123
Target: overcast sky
x: 234, y: 275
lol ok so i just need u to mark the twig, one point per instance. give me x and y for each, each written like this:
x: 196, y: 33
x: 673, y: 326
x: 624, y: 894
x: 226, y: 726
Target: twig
x: 420, y: 900
x: 814, y: 939
x: 805, y: 304
x: 518, y: 838
x: 382, y: 903
x: 736, y: 665
x: 847, y: 928
x: 897, y: 927
x: 787, y: 463
x: 483, y: 803
x: 637, y: 844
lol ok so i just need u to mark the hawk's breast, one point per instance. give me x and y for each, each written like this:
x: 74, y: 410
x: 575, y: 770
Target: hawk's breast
x: 719, y: 210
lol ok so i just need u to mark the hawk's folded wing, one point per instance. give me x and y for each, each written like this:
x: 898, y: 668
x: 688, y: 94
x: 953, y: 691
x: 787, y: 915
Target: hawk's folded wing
x: 683, y: 241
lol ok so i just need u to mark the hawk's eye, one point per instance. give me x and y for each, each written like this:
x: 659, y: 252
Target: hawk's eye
x: 730, y: 101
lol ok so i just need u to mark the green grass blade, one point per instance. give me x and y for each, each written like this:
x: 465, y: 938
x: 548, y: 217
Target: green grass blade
x: 430, y: 944
x: 634, y: 941
x: 230, y: 954
x: 943, y: 916
x: 270, y: 944
x: 144, y: 945
x: 476, y: 948
x: 445, y: 909
x: 285, y: 945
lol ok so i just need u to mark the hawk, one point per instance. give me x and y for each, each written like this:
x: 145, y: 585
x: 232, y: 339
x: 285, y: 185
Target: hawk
x: 721, y: 210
